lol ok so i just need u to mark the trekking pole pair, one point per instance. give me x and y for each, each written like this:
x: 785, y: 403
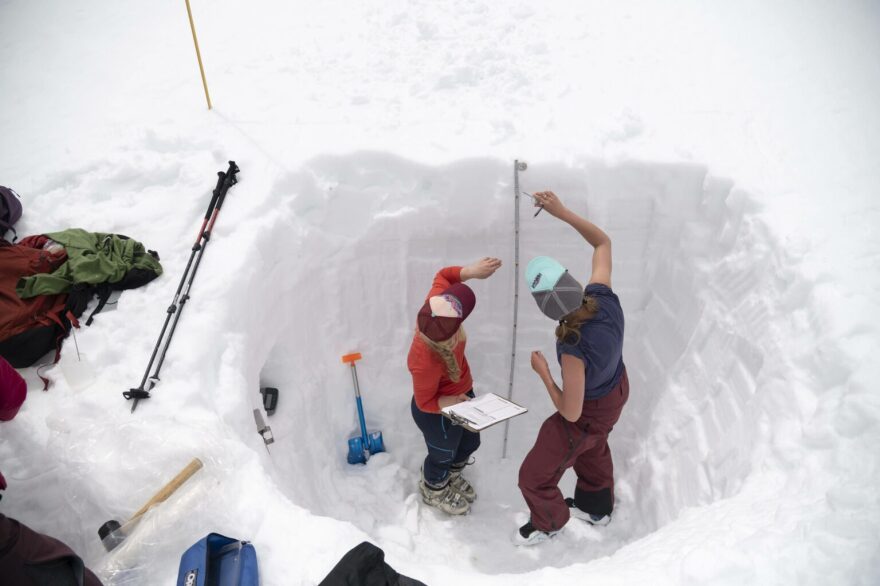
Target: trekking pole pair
x: 225, y: 180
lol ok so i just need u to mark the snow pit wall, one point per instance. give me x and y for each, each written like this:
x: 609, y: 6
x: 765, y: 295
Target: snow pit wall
x: 349, y: 256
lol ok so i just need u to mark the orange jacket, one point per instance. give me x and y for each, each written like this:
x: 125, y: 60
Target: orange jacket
x: 430, y: 380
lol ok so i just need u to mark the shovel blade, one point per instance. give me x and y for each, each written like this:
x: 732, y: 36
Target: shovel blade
x: 357, y: 451
x: 375, y: 441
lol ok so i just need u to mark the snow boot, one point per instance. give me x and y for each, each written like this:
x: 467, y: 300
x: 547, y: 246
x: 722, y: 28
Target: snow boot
x: 446, y: 498
x: 459, y: 483
x: 528, y: 535
x: 578, y: 513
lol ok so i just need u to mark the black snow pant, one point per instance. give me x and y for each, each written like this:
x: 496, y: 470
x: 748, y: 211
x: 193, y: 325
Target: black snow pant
x: 449, y: 446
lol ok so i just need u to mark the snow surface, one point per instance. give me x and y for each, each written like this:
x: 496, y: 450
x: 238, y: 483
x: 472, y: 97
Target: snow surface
x: 729, y: 149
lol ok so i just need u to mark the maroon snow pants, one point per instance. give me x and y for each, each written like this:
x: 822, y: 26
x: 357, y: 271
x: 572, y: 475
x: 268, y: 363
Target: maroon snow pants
x: 562, y: 444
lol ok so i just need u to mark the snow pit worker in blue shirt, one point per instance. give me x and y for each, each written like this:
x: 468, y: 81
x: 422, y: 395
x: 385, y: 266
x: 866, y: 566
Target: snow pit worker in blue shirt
x: 589, y: 348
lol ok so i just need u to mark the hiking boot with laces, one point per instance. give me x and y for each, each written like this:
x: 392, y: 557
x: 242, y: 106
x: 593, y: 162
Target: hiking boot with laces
x: 447, y: 499
x: 579, y: 513
x: 459, y: 483
x: 528, y: 535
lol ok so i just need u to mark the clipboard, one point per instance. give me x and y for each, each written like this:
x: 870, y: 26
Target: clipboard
x: 482, y: 412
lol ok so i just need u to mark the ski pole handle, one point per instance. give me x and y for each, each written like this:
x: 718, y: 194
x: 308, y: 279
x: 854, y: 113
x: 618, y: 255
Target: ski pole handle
x: 221, y: 177
x: 229, y: 180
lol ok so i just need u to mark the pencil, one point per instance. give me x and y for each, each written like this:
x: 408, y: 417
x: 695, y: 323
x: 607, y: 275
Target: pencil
x: 540, y: 208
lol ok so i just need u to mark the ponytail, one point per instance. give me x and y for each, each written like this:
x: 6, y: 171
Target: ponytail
x: 444, y: 350
x: 569, y: 329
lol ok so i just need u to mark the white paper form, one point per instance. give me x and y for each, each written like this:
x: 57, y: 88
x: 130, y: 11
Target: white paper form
x: 483, y: 411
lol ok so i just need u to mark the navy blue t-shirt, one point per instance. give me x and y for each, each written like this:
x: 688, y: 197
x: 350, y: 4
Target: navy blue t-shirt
x: 601, y: 343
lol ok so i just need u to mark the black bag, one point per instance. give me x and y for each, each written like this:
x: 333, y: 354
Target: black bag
x: 24, y: 349
x: 10, y: 211
x: 80, y: 294
x: 364, y: 565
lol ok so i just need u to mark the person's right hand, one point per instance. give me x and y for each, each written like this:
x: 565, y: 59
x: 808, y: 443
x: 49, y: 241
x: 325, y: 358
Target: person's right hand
x: 449, y: 400
x: 539, y: 364
x: 550, y: 202
x: 481, y: 269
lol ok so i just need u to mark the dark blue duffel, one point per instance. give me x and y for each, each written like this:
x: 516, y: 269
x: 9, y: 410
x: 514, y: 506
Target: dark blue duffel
x: 217, y: 560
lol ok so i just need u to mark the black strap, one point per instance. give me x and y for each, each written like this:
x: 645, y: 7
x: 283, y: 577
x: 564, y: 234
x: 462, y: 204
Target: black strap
x: 78, y: 297
x: 103, y: 291
x: 136, y: 394
x: 6, y: 226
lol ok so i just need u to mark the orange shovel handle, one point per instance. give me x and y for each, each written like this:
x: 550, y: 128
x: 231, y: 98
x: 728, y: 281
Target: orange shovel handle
x: 351, y: 358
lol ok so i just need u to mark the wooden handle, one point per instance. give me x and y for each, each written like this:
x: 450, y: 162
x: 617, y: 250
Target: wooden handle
x: 167, y: 490
x: 351, y: 357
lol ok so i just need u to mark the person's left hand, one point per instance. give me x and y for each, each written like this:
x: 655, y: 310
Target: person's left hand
x: 539, y: 364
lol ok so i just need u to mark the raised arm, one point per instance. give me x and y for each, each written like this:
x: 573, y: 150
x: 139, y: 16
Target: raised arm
x: 481, y: 269
x: 599, y: 240
x: 447, y: 276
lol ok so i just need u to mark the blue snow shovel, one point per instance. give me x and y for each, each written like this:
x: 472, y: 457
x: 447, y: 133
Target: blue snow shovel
x: 362, y: 446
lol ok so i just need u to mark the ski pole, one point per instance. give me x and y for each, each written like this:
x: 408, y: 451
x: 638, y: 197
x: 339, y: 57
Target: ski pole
x: 173, y: 307
x: 228, y: 181
x: 225, y: 180
x: 140, y: 392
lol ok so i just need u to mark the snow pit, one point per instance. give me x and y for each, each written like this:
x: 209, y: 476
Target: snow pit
x: 719, y: 454
x: 351, y: 258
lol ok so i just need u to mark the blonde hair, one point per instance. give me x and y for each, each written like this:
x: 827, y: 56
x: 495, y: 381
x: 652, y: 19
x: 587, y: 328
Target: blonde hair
x: 444, y: 351
x: 569, y: 329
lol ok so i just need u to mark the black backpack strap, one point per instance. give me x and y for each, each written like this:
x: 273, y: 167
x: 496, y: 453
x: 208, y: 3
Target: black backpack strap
x: 103, y: 290
x: 78, y: 298
x: 5, y: 227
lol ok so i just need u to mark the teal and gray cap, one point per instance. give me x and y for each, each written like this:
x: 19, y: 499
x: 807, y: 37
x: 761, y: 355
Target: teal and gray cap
x: 554, y: 289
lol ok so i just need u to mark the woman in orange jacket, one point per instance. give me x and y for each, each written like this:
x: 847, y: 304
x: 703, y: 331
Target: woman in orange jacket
x: 442, y: 377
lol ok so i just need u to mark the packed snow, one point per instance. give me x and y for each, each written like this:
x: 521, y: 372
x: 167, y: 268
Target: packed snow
x: 728, y: 149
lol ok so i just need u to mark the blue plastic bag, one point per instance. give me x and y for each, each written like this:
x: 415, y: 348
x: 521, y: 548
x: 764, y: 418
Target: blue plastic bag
x: 218, y: 560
